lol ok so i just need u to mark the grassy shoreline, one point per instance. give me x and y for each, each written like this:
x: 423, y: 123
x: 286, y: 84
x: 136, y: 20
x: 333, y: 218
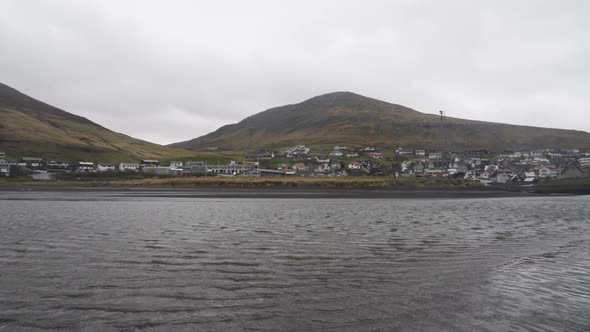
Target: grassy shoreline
x: 564, y: 186
x: 278, y: 182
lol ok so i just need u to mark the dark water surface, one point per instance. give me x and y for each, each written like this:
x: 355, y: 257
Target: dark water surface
x: 111, y: 262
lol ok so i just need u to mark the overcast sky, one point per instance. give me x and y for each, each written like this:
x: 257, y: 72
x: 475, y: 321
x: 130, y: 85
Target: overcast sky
x: 167, y: 71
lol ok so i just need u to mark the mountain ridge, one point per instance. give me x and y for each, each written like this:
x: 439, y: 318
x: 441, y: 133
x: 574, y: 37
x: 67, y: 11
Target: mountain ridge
x: 348, y: 118
x: 30, y: 127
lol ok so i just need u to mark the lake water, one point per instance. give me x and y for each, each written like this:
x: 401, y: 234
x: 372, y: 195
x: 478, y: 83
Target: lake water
x: 128, y: 262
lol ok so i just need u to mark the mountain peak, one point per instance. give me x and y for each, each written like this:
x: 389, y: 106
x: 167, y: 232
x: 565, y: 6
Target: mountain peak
x: 340, y: 98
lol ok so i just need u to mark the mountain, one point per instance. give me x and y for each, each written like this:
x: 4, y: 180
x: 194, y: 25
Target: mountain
x: 345, y: 118
x: 29, y: 127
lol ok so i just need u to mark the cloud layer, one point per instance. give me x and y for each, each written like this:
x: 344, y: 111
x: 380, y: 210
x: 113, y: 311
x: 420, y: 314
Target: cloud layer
x: 167, y: 71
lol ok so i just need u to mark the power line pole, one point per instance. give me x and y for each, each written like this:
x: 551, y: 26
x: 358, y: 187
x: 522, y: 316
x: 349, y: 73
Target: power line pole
x: 443, y: 135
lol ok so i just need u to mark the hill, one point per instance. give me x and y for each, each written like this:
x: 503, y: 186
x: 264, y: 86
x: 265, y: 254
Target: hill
x: 29, y: 127
x: 345, y: 118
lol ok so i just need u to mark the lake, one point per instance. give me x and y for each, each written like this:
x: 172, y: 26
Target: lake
x: 139, y: 261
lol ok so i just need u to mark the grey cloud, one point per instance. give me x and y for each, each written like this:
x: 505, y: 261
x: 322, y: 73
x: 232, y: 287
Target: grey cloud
x: 174, y: 70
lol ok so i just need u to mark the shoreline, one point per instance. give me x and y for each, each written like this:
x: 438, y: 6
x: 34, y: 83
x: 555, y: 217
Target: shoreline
x: 271, y: 192
x: 353, y: 187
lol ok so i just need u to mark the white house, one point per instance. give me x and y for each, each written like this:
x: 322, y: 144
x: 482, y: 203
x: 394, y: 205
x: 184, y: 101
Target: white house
x: 336, y: 154
x: 354, y: 165
x: 105, y: 167
x: 352, y: 155
x: 128, y: 167
x: 435, y: 155
x: 176, y: 164
x: 86, y: 167
x: 548, y: 172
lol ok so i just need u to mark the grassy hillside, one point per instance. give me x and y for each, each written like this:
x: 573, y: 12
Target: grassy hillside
x: 346, y: 118
x: 29, y: 127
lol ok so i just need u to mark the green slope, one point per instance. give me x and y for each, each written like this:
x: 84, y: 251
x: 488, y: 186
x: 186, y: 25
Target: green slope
x: 346, y: 118
x: 29, y: 127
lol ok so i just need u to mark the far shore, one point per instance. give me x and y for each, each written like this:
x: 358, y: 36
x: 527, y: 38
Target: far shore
x: 231, y: 187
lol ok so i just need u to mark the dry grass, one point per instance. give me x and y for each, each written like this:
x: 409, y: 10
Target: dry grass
x: 279, y: 182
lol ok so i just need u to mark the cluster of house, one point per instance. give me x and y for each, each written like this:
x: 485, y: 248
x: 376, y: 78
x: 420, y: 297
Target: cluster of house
x: 478, y: 165
x: 41, y: 169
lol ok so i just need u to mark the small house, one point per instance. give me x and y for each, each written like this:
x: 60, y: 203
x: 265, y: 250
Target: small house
x: 354, y: 165
x: 32, y: 162
x: 435, y: 155
x: 128, y: 167
x: 176, y: 164
x: 149, y: 163
x: 336, y: 154
x: 85, y: 167
x: 58, y: 165
x: 105, y: 167
x: 375, y: 155
x: 300, y: 167
x: 353, y: 154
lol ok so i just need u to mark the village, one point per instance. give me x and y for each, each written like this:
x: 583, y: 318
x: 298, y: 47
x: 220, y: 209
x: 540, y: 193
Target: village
x: 510, y: 167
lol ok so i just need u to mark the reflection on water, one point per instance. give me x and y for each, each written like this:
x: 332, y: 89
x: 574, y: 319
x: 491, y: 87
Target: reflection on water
x: 104, y: 262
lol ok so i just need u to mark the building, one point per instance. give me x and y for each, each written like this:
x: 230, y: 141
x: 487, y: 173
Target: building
x: 336, y: 154
x: 157, y: 170
x: 353, y: 154
x: 420, y: 153
x: 418, y: 170
x: 375, y: 155
x: 105, y: 167
x: 129, y: 167
x: 259, y: 172
x: 194, y: 167
x: 435, y: 155
x: 548, y: 172
x: 401, y: 152
x: 354, y: 165
x: 149, y: 163
x: 232, y: 168
x: 58, y: 166
x: 6, y: 164
x: 300, y: 167
x: 322, y: 159
x: 176, y: 164
x: 32, y: 163
x: 504, y: 177
x: 85, y: 167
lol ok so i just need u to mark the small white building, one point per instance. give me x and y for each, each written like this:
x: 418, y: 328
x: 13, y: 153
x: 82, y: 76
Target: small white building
x: 354, y: 165
x: 435, y: 155
x: 105, y: 167
x: 336, y: 154
x: 129, y: 167
x: 86, y: 167
x: 352, y: 155
x: 176, y: 164
x: 548, y: 172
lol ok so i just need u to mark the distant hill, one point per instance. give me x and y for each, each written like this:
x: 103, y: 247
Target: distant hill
x: 29, y: 127
x: 345, y: 118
